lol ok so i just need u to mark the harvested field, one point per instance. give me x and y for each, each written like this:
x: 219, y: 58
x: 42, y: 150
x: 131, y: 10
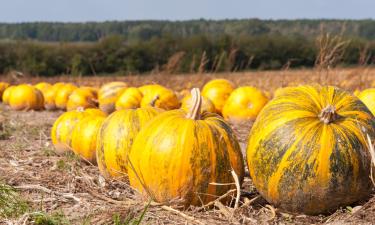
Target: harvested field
x: 67, y: 190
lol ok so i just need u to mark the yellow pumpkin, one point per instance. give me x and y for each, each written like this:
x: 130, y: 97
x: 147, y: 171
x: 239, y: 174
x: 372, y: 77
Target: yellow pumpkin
x: 307, y: 150
x: 61, y: 133
x: 218, y: 91
x: 162, y: 98
x: 180, y: 155
x: 81, y: 97
x: 108, y: 95
x: 62, y: 95
x: 43, y: 86
x: 244, y: 103
x: 368, y: 97
x: 6, y: 94
x: 150, y: 88
x: 207, y: 105
x: 84, y: 137
x: 356, y: 92
x: 130, y: 99
x: 50, y: 96
x: 3, y: 86
x: 116, y: 136
x: 26, y: 97
x: 95, y: 112
x: 93, y: 90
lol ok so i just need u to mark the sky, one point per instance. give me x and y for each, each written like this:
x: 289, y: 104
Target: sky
x: 104, y: 10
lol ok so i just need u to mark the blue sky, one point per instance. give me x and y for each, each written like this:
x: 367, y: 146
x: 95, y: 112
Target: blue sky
x: 101, y: 10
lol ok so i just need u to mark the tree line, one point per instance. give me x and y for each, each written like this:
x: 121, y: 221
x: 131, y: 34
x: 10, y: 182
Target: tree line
x: 115, y: 54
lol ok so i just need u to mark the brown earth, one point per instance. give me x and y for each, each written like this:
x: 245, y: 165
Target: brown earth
x: 74, y: 189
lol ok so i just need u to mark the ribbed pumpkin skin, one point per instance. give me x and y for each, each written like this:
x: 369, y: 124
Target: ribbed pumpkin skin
x: 84, y: 98
x: 116, y: 136
x: 177, y: 158
x: 207, y: 105
x: 244, y: 103
x: 61, y: 133
x: 108, y: 95
x: 6, y: 94
x: 167, y: 99
x: 368, y: 98
x: 26, y: 97
x: 303, y: 165
x: 62, y: 95
x: 218, y: 91
x: 3, y: 86
x: 84, y: 137
x: 50, y: 95
x: 130, y: 99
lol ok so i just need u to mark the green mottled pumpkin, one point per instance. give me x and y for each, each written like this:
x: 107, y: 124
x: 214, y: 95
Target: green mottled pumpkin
x: 307, y: 150
x: 116, y: 136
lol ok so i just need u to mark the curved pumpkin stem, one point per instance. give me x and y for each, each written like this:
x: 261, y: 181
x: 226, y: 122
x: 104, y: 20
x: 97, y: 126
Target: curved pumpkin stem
x: 328, y: 114
x: 195, y: 110
x: 153, y: 101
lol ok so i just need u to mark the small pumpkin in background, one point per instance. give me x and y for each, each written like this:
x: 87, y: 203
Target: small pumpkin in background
x: 6, y: 94
x: 244, y: 103
x: 116, y: 136
x: 207, y: 105
x: 356, y: 92
x: 3, y: 86
x: 43, y: 86
x: 84, y: 137
x: 307, y: 150
x: 368, y: 98
x: 162, y: 98
x: 150, y: 88
x: 180, y: 155
x: 61, y: 133
x: 108, y: 95
x: 218, y: 91
x: 130, y: 99
x: 81, y: 97
x: 93, y: 90
x: 62, y: 95
x: 50, y: 96
x: 26, y: 97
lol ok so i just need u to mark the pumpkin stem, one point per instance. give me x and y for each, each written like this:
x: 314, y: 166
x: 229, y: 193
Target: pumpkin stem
x: 328, y: 114
x: 153, y: 101
x: 195, y: 111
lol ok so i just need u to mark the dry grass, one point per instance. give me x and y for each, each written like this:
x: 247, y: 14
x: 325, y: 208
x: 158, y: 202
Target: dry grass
x: 65, y: 190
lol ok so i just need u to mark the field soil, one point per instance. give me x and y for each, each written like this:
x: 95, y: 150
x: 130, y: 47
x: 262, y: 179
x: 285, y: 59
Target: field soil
x: 67, y: 187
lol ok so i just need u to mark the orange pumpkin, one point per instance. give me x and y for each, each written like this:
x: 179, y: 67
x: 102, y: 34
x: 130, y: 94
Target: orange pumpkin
x: 218, y: 91
x: 81, y: 97
x: 180, y: 155
x: 26, y: 97
x: 244, y: 103
x: 62, y: 95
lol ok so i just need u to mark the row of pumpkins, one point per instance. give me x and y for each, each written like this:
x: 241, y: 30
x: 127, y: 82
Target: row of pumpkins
x: 308, y: 149
x: 219, y: 96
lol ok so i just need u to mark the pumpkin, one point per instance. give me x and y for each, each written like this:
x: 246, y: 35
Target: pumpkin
x: 108, y: 95
x: 81, y: 97
x: 368, y: 97
x: 61, y: 133
x: 356, y: 92
x: 180, y: 155
x: 218, y: 91
x: 244, y: 103
x: 207, y: 105
x: 150, y: 88
x: 62, y: 95
x: 130, y: 99
x: 43, y: 86
x: 50, y: 95
x: 94, y: 112
x: 6, y: 94
x: 116, y: 136
x: 160, y: 97
x: 3, y: 86
x: 93, y: 90
x: 26, y: 97
x: 84, y: 137
x: 307, y: 150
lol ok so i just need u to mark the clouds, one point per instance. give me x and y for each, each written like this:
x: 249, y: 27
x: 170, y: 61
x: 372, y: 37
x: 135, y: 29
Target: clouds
x: 101, y: 10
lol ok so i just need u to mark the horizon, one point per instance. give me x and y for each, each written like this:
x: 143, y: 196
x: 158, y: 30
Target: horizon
x: 84, y: 11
